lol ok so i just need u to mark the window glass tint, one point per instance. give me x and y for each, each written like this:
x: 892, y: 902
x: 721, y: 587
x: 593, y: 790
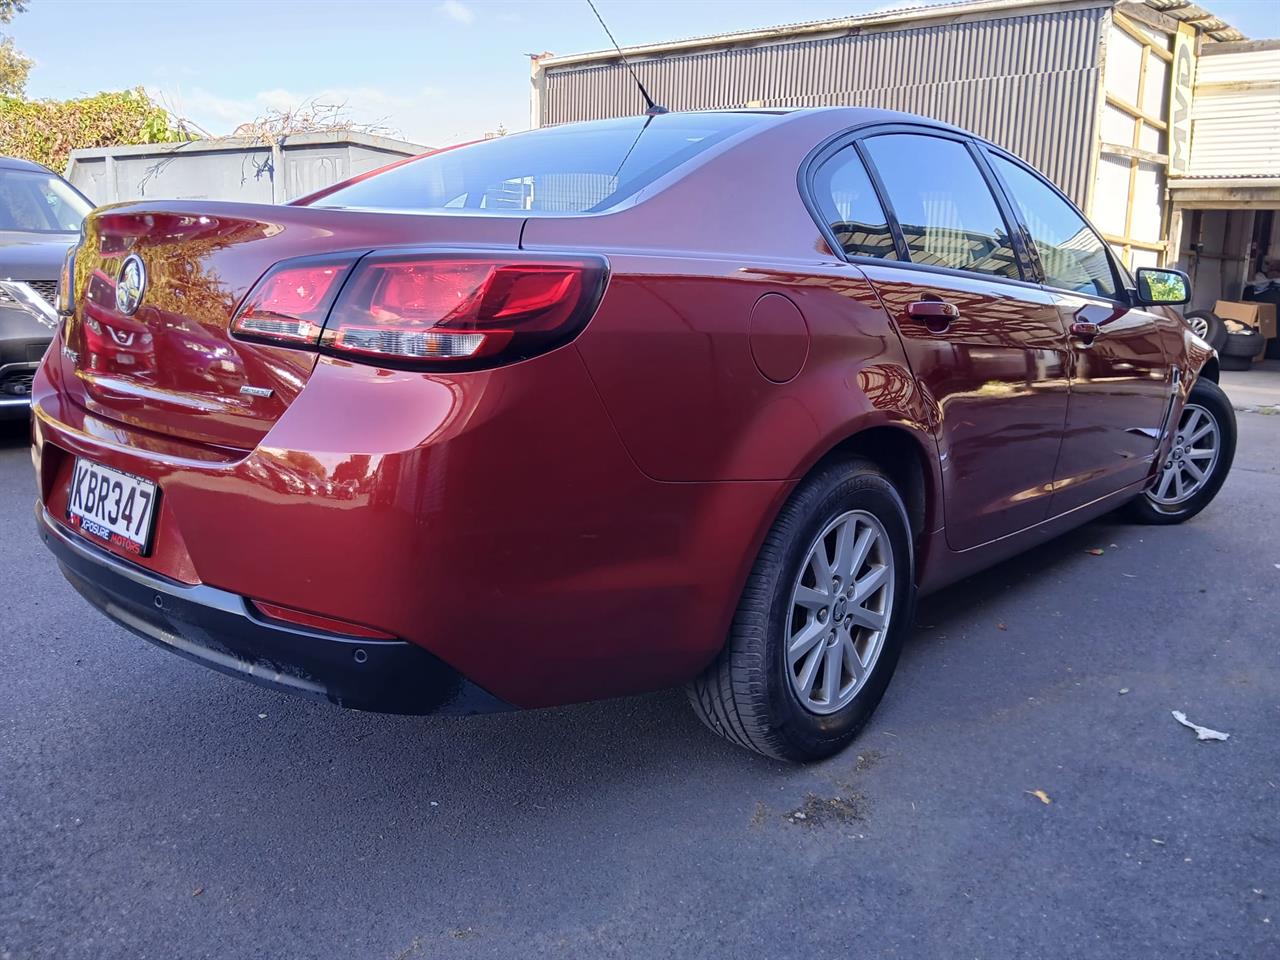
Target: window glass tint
x: 31, y: 201
x: 947, y: 213
x: 576, y: 168
x: 1072, y: 255
x: 844, y: 193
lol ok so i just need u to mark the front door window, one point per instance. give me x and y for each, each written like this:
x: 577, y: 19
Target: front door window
x: 943, y: 204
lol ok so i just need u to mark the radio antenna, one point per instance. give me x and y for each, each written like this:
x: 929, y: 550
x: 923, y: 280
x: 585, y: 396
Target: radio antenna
x: 653, y: 108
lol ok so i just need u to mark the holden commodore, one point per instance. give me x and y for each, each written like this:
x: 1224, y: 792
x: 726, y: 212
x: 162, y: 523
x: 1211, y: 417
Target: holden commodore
x: 702, y: 398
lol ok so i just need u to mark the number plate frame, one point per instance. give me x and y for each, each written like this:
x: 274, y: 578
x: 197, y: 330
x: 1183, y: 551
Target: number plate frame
x: 88, y: 524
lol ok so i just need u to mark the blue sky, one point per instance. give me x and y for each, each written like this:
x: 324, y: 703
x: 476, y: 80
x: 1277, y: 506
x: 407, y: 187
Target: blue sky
x: 436, y: 71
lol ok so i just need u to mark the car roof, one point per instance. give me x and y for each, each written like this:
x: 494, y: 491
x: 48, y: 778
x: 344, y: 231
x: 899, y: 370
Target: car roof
x: 837, y: 119
x: 840, y: 119
x: 13, y: 163
x: 848, y: 117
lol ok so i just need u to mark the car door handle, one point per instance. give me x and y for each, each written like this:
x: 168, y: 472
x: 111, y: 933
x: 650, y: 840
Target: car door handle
x: 936, y: 314
x: 1085, y: 331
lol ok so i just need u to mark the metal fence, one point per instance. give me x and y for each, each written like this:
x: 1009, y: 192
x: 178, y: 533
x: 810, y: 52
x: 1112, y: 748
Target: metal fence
x: 231, y: 168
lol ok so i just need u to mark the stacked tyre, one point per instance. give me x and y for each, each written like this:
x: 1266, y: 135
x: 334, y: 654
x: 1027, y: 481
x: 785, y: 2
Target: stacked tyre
x: 1237, y: 343
x: 1209, y: 327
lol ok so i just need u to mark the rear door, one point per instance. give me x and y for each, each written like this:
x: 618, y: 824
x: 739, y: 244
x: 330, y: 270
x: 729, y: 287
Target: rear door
x: 987, y: 346
x: 1121, y: 381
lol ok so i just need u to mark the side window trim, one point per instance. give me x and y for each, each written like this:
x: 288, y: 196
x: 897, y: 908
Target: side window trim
x: 891, y: 217
x: 1006, y: 197
x: 1117, y: 277
x: 805, y: 182
x: 997, y: 197
x: 854, y: 137
x: 1019, y: 237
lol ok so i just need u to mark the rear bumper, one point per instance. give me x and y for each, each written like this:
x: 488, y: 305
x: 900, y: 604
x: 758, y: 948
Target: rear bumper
x: 15, y: 382
x: 23, y: 341
x: 14, y: 408
x: 492, y: 519
x: 216, y: 628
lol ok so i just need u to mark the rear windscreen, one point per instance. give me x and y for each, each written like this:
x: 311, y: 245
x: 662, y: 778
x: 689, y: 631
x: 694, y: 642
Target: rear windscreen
x: 576, y: 168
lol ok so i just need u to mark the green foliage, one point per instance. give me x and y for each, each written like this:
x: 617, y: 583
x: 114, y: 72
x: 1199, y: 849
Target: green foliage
x: 48, y: 130
x: 14, y: 67
x: 9, y: 7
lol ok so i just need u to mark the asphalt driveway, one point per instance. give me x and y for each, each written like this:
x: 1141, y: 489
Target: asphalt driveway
x: 153, y: 809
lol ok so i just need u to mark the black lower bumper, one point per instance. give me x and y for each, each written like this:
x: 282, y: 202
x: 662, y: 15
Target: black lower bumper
x: 14, y: 408
x: 23, y: 341
x: 15, y: 388
x: 218, y: 629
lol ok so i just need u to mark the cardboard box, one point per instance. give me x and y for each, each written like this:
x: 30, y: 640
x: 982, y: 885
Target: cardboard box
x: 1260, y: 316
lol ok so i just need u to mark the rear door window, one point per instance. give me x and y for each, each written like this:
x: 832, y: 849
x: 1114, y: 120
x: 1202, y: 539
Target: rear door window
x: 948, y: 215
x: 1072, y: 256
x: 848, y: 202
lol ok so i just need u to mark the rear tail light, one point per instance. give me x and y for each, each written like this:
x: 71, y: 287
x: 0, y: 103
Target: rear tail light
x: 289, y: 304
x: 426, y: 311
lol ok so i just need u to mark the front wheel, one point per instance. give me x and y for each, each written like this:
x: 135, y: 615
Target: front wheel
x: 1197, y: 464
x: 821, y: 621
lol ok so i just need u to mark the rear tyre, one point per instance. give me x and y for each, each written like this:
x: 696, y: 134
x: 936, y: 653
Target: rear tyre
x: 1204, y: 445
x: 820, y: 625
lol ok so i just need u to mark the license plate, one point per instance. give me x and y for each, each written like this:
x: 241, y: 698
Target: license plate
x: 112, y: 505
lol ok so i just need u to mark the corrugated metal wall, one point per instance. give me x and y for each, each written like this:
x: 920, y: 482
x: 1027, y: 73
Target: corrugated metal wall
x: 1028, y: 83
x: 1235, y: 115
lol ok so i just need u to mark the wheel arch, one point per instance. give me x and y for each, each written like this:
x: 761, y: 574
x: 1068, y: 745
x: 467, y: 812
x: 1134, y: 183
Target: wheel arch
x: 1193, y: 356
x: 904, y: 455
x: 1210, y: 370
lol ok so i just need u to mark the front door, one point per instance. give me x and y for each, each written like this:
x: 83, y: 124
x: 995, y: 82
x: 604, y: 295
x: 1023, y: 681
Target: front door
x: 996, y: 375
x: 985, y: 341
x: 1121, y: 384
x: 1120, y: 396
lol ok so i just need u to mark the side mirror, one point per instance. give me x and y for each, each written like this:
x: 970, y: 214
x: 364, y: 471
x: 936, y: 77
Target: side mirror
x: 1162, y: 287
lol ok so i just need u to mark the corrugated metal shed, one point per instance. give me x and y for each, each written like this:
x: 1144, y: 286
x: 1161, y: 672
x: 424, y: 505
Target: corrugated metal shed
x: 232, y: 168
x: 1026, y: 79
x: 1235, y: 113
x: 1187, y: 12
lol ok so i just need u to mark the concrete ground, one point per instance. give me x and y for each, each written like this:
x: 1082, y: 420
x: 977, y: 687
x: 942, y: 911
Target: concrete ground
x: 1255, y: 388
x: 153, y: 809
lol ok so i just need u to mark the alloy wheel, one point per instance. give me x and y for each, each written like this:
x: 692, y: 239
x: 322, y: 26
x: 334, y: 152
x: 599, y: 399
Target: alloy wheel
x: 1192, y: 460
x: 1199, y: 326
x: 840, y: 609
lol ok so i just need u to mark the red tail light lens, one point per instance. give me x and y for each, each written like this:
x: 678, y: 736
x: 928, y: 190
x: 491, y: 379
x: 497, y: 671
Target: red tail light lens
x: 453, y: 312
x: 289, y: 304
x: 425, y: 311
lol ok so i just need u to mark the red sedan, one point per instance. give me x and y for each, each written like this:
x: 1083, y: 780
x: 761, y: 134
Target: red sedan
x: 700, y: 399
